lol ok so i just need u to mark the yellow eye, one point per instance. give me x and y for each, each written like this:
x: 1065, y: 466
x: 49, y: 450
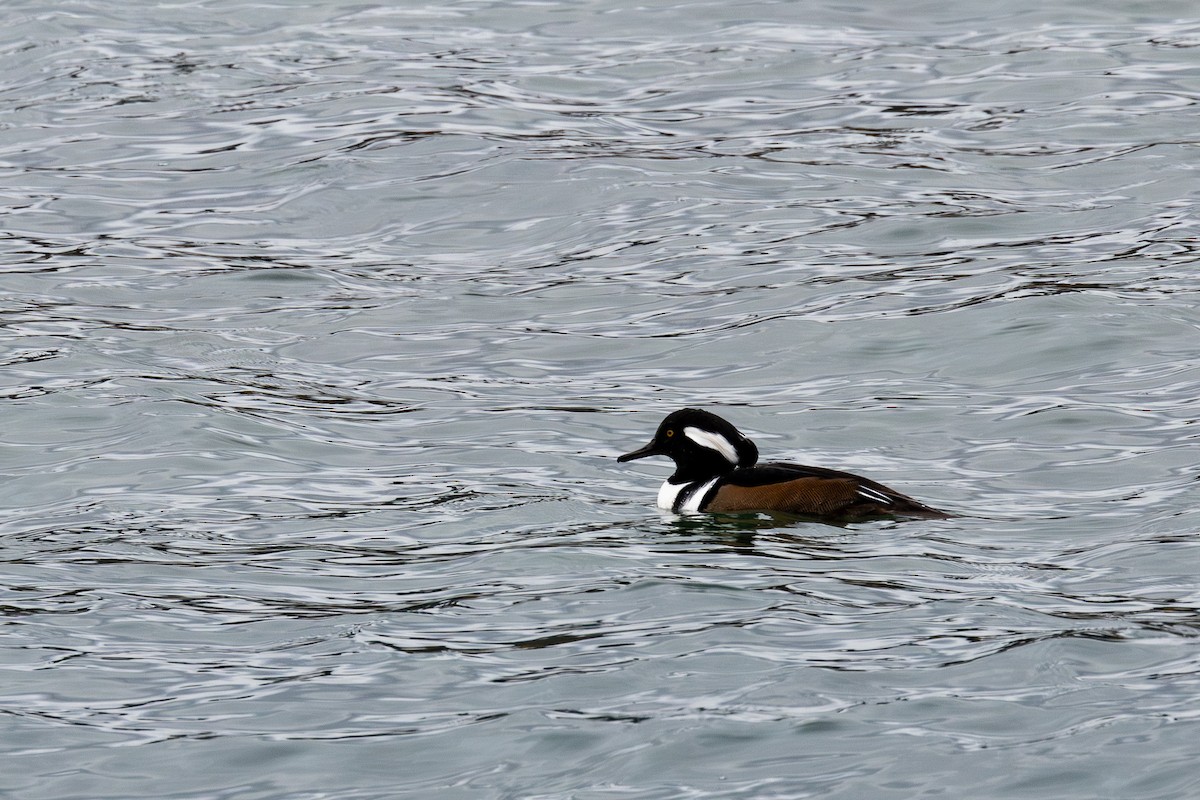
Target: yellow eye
x: 670, y: 432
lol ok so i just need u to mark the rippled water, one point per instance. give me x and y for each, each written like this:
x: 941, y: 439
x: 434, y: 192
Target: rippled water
x: 322, y: 324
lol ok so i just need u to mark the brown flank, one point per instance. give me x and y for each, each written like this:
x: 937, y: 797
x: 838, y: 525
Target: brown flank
x: 817, y: 497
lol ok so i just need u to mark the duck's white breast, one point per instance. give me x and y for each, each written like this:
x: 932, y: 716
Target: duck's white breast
x: 669, y: 493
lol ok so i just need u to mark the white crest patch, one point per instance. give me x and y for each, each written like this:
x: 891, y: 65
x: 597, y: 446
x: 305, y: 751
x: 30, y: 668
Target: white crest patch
x: 713, y: 441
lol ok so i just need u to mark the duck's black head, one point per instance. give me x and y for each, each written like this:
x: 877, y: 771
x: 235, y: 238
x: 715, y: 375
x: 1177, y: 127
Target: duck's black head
x: 701, y: 445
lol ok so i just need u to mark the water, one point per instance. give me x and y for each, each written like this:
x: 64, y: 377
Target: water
x: 322, y: 325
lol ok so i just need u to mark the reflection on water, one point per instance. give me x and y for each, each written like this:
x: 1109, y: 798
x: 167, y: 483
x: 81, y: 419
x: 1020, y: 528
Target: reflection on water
x: 322, y: 330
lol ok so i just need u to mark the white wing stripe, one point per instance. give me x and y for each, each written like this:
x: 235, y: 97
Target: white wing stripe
x: 874, y: 494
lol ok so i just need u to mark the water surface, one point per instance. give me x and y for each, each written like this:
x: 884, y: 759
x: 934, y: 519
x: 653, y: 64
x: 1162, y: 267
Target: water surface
x: 323, y: 324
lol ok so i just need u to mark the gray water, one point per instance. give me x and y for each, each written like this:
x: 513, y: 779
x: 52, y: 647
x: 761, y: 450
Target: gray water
x: 322, y: 325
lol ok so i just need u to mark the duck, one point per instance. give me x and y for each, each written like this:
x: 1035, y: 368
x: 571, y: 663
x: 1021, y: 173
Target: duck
x: 717, y: 471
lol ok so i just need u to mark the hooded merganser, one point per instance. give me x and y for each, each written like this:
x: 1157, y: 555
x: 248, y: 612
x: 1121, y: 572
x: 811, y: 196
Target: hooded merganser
x: 715, y: 470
